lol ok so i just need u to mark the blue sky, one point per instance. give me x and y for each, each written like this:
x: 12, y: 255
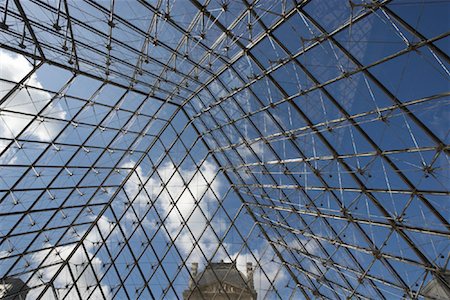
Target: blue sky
x: 78, y: 151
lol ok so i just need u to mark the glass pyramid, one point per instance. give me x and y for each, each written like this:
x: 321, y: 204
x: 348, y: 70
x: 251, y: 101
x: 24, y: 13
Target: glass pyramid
x: 306, y: 139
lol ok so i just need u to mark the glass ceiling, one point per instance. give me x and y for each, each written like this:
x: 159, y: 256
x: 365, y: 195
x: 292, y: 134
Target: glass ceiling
x: 309, y: 138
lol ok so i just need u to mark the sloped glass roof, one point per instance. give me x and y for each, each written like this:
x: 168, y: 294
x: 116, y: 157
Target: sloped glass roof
x: 309, y: 138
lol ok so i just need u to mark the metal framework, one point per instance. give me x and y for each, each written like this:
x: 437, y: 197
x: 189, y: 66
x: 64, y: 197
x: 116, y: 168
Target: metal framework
x: 307, y: 137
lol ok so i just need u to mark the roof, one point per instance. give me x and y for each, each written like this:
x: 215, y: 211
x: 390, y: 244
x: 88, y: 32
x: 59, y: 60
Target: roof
x: 13, y: 285
x: 222, y: 272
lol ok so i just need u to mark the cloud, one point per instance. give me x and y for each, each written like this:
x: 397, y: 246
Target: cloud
x: 308, y: 246
x: 199, y: 190
x: 140, y: 204
x: 28, y: 100
x: 55, y: 255
x: 63, y: 283
x: 267, y: 268
x: 196, y: 201
x: 247, y: 154
x: 25, y: 100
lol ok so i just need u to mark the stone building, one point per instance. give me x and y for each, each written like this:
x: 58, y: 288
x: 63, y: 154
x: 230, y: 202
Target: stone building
x: 436, y: 289
x: 13, y: 289
x: 220, y: 281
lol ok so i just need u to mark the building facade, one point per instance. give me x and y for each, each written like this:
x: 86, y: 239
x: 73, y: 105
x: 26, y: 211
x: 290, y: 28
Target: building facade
x: 220, y: 281
x: 13, y: 289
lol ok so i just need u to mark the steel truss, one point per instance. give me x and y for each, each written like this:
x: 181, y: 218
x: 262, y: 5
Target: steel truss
x: 307, y: 137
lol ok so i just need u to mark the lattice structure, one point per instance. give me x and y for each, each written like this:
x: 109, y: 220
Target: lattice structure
x: 308, y: 138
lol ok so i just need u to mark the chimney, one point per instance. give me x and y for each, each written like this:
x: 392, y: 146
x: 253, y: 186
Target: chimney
x: 194, y: 270
x: 250, y: 274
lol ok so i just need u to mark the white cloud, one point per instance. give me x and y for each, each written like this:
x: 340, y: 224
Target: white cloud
x: 64, y: 280
x: 32, y: 101
x: 247, y: 154
x: 25, y: 100
x: 310, y: 246
x: 138, y: 196
x: 186, y: 198
x: 266, y: 267
x: 87, y: 279
x: 173, y: 187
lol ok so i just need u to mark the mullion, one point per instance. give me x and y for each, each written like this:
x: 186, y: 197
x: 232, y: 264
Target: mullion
x: 256, y: 128
x: 243, y: 181
x: 149, y: 148
x: 65, y: 86
x: 359, y: 220
x: 249, y: 53
x: 275, y: 218
x: 364, y: 134
x: 329, y: 146
x: 99, y: 33
x: 241, y: 198
x: 69, y: 121
x: 53, y: 49
x: 177, y: 209
x: 125, y: 244
x: 350, y: 246
x: 407, y: 112
x: 3, y: 214
x: 111, y: 199
x: 330, y: 157
x: 167, y: 47
x: 188, y: 35
x: 208, y: 220
x: 415, y: 32
x: 21, y: 83
x: 346, y: 268
x: 104, y: 150
x: 228, y: 33
x: 155, y: 167
x: 75, y: 145
x: 276, y: 122
x: 174, y: 173
x: 110, y: 257
x: 30, y: 28
x: 322, y: 126
x: 264, y: 34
